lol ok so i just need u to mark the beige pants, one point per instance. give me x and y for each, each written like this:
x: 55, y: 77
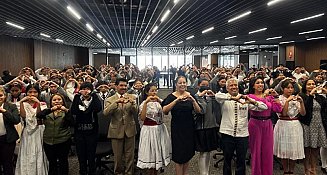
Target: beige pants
x: 124, y: 148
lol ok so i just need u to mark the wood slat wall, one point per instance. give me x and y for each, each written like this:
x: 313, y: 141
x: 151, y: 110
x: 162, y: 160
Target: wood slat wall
x: 58, y: 55
x: 311, y: 53
x: 15, y: 53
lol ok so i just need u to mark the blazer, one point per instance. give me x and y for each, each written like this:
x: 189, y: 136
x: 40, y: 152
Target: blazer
x: 121, y: 116
x: 11, y: 118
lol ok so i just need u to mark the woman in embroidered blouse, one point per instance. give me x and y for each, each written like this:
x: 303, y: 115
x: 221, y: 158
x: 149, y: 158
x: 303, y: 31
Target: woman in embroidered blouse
x: 155, y: 145
x: 57, y: 136
x: 260, y: 128
x: 314, y: 124
x: 31, y: 157
x: 288, y: 132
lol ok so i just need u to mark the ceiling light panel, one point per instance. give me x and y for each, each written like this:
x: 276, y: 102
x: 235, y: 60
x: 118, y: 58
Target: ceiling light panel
x: 74, y: 12
x: 312, y: 31
x: 208, y: 29
x: 273, y: 2
x: 45, y: 35
x: 190, y: 37
x: 322, y: 37
x: 307, y: 18
x: 240, y: 16
x: 276, y: 37
x: 248, y: 42
x: 60, y: 40
x: 15, y: 25
x: 89, y: 27
x: 164, y: 17
x: 155, y: 29
x: 230, y: 37
x: 216, y: 41
x: 286, y: 42
x: 259, y: 30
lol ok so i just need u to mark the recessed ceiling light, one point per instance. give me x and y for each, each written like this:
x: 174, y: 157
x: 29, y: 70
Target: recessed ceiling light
x: 105, y: 41
x: 95, y: 53
x: 285, y: 42
x: 88, y: 26
x: 259, y: 30
x: 74, y: 12
x: 230, y: 37
x: 172, y: 45
x: 165, y: 16
x: 155, y: 29
x: 276, y: 37
x: 273, y: 2
x: 45, y: 35
x: 216, y: 41
x: 307, y: 18
x: 190, y: 37
x: 176, y: 1
x: 207, y: 30
x: 99, y: 36
x: 312, y: 31
x: 322, y: 37
x: 248, y: 42
x: 180, y: 42
x: 60, y: 40
x: 240, y: 16
x: 148, y: 37
x: 15, y: 25
x: 108, y: 44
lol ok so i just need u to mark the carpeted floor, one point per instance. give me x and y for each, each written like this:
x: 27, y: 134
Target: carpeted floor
x: 169, y: 170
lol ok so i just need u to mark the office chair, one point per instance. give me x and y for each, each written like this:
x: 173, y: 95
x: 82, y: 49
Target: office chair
x: 104, y: 150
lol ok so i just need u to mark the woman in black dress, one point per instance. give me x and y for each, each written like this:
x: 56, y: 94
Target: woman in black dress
x: 181, y: 104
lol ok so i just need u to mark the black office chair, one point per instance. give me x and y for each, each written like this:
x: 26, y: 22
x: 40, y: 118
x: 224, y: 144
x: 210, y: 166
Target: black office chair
x: 104, y: 150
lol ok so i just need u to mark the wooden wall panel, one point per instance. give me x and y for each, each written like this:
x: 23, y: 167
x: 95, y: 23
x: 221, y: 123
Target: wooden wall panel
x: 99, y: 59
x: 58, y: 55
x: 313, y: 52
x: 15, y: 53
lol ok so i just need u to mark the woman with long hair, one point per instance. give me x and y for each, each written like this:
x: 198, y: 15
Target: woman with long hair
x: 314, y: 123
x: 261, y: 132
x: 181, y: 105
x: 154, y: 146
x: 288, y: 132
x: 57, y: 135
x: 9, y: 117
x: 31, y: 157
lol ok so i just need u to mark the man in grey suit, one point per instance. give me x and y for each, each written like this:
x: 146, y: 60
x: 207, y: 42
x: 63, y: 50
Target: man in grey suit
x: 121, y: 108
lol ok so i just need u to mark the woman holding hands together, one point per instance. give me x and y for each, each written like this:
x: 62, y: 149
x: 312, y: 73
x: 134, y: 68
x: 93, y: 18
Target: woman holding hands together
x: 181, y: 105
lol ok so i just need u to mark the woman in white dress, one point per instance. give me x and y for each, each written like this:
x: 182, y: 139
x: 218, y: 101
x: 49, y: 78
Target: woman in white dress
x: 288, y: 132
x: 31, y: 157
x: 155, y: 145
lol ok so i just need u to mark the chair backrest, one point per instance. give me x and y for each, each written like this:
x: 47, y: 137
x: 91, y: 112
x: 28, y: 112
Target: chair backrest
x: 104, y: 122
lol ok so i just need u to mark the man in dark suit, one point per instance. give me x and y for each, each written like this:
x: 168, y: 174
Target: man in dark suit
x: 121, y: 108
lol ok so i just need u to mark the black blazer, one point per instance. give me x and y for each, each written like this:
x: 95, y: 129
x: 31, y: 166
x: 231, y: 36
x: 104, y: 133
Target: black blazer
x: 11, y: 118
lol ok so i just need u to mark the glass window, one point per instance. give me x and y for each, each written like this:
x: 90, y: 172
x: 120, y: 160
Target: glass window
x: 141, y: 62
x: 180, y: 60
x: 122, y: 60
x: 189, y: 59
x: 173, y: 60
x: 157, y: 62
x: 132, y: 59
x: 148, y: 60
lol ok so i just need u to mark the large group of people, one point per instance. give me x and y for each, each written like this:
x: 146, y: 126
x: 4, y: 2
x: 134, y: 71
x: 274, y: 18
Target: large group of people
x: 262, y: 111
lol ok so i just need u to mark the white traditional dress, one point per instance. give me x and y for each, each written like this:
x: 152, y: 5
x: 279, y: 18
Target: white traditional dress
x: 31, y: 157
x: 155, y: 145
x: 288, y: 134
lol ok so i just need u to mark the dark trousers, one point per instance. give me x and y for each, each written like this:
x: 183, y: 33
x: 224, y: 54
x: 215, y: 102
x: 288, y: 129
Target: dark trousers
x: 231, y: 145
x: 86, y: 145
x: 57, y: 154
x: 6, y: 156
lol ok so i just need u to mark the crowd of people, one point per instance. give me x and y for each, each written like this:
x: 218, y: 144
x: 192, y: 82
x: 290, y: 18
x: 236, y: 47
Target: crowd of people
x: 264, y: 111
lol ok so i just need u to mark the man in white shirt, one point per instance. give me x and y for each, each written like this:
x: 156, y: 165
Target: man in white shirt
x: 234, y: 125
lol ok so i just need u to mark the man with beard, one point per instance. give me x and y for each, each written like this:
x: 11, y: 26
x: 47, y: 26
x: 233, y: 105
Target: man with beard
x: 234, y: 125
x: 121, y: 108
